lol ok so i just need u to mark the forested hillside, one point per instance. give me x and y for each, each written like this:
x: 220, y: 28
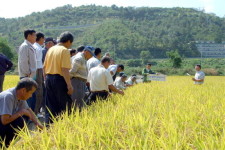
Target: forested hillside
x: 125, y: 32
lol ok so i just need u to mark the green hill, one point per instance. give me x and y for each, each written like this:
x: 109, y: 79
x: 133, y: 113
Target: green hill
x: 124, y: 31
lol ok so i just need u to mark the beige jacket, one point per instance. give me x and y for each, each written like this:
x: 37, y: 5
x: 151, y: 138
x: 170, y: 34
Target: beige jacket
x: 27, y: 63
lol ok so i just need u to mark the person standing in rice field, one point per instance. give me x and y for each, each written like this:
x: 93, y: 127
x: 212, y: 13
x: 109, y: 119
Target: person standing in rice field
x: 146, y: 71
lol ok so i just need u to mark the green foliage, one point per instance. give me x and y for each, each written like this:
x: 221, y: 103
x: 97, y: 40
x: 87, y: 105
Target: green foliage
x: 5, y: 49
x: 124, y: 30
x: 175, y: 58
x: 145, y: 56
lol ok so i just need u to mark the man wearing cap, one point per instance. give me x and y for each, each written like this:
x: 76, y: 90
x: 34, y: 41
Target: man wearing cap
x: 132, y: 80
x: 49, y: 42
x: 94, y: 61
x: 79, y: 74
x: 120, y: 82
x: 146, y: 71
x: 101, y: 81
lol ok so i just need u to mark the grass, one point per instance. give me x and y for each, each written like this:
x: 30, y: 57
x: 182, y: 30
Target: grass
x: 160, y: 115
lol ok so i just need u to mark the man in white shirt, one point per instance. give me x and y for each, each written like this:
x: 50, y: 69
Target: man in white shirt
x: 39, y: 73
x: 94, y: 61
x: 114, y: 69
x: 132, y: 80
x: 120, y: 82
x: 101, y: 81
x: 199, y: 75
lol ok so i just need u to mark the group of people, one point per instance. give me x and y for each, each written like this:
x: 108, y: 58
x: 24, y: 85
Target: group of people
x: 56, y: 78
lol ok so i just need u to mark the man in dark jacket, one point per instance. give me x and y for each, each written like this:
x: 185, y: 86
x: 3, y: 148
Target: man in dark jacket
x: 5, y: 65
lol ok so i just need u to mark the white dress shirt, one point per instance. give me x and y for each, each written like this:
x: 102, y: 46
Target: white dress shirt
x: 99, y: 79
x: 39, y: 55
x: 92, y: 62
x: 199, y: 75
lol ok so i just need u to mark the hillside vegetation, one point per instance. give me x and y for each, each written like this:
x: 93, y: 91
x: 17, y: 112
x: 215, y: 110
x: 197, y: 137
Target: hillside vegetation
x: 124, y: 31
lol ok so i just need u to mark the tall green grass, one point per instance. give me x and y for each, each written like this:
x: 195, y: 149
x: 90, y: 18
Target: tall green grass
x: 159, y: 115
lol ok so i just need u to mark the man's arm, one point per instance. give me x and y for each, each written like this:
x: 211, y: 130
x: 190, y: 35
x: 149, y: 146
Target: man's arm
x: 6, y: 118
x: 34, y: 119
x: 111, y: 87
x: 66, y: 76
x: 23, y: 61
x: 197, y: 80
x: 9, y: 64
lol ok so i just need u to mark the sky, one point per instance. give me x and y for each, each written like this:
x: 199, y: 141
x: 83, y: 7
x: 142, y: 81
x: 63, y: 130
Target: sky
x: 20, y: 8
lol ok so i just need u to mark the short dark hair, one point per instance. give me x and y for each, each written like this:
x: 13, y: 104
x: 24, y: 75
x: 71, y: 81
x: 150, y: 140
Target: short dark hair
x: 28, y: 32
x: 199, y: 66
x: 105, y: 59
x: 121, y: 66
x: 149, y: 64
x: 80, y: 48
x: 73, y: 51
x: 65, y: 37
x: 39, y: 36
x: 27, y: 83
x: 97, y: 51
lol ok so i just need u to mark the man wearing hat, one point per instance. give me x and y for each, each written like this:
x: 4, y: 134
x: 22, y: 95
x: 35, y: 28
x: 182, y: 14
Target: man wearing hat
x: 79, y: 74
x: 49, y: 42
x: 146, y: 71
x: 120, y: 82
x: 132, y: 80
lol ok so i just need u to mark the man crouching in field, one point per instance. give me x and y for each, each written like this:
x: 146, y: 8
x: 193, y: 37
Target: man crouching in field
x: 13, y: 106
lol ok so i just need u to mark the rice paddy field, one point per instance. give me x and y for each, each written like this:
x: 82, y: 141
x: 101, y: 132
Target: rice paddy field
x: 171, y: 115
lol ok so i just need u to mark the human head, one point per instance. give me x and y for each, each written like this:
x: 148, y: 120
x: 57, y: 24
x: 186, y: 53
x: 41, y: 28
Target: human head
x: 107, y: 54
x: 49, y: 42
x: 30, y: 35
x: 121, y: 74
x: 120, y: 68
x: 198, y: 67
x: 80, y: 48
x: 73, y: 52
x: 149, y: 65
x: 25, y: 88
x: 66, y: 38
x: 105, y: 62
x: 88, y: 52
x: 98, y: 53
x: 133, y: 78
x: 40, y: 38
x: 124, y: 77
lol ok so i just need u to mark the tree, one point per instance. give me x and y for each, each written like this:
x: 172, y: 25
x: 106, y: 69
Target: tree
x: 145, y: 56
x: 175, y: 58
x: 5, y: 49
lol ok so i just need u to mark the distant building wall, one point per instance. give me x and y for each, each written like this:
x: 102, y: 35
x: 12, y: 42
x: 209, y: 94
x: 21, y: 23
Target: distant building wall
x: 211, y: 49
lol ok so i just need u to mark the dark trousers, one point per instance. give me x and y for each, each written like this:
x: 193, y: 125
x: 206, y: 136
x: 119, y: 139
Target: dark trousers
x: 2, y: 77
x: 8, y: 132
x: 98, y: 95
x: 57, y: 100
x: 39, y: 91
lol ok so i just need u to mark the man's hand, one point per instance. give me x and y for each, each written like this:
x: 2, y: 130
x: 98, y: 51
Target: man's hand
x: 193, y: 79
x: 121, y: 92
x: 40, y: 126
x: 70, y: 89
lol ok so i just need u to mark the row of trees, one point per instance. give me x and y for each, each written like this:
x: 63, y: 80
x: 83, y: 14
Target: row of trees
x: 123, y: 31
